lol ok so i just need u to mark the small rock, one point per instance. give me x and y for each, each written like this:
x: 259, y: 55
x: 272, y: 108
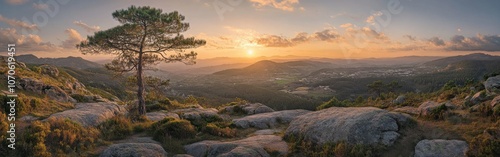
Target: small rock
x: 427, y: 107
x: 478, y: 98
x: 195, y: 114
x: 49, y: 70
x: 441, y: 148
x: 399, y: 100
x: 248, y: 108
x: 495, y: 101
x: 28, y: 118
x: 134, y: 150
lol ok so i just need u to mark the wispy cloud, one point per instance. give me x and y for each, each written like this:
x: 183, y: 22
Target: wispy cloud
x: 40, y: 6
x: 287, y: 5
x: 88, y: 28
x: 18, y: 24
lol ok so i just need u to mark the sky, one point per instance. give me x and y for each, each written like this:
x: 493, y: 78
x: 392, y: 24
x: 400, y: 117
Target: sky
x: 252, y: 28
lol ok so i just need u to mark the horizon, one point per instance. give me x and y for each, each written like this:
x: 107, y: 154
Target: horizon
x: 326, y: 29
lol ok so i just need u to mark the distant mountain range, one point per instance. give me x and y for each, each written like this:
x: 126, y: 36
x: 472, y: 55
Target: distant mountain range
x: 72, y: 62
x: 470, y: 57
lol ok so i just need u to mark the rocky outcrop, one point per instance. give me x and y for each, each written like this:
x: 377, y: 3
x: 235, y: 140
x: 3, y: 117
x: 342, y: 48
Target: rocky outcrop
x: 134, y: 150
x: 354, y: 125
x: 248, y: 109
x: 441, y: 148
x: 428, y: 107
x: 268, y: 120
x: 196, y: 114
x: 260, y: 145
x: 49, y: 70
x: 91, y: 114
x: 492, y: 85
x: 56, y: 93
x: 157, y: 116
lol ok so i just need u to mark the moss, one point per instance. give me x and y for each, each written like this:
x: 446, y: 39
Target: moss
x: 115, y: 128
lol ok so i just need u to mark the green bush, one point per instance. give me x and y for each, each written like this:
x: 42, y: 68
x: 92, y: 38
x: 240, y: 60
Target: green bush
x: 177, y: 128
x: 334, y: 102
x: 115, y: 128
x: 56, y: 137
x: 486, y: 144
x: 438, y: 113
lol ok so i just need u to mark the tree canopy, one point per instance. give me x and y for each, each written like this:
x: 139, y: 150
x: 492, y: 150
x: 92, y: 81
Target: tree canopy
x: 146, y: 37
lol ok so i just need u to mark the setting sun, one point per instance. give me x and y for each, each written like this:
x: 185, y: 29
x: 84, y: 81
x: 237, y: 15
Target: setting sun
x: 249, y: 52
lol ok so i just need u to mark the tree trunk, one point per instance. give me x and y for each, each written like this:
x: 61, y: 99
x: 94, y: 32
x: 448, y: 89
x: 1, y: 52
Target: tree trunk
x: 140, y: 90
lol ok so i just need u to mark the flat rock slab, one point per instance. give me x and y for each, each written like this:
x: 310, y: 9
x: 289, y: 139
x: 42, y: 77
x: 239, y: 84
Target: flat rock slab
x: 160, y: 115
x: 91, y: 114
x: 354, y: 125
x: 255, y: 146
x: 268, y: 120
x: 134, y: 150
x: 441, y: 148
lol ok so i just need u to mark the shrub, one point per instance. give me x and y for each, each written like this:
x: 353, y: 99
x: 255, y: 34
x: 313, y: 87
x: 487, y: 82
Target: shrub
x: 486, y: 144
x: 214, y: 129
x: 56, y: 137
x: 177, y: 128
x: 438, y: 113
x: 334, y: 102
x: 115, y: 128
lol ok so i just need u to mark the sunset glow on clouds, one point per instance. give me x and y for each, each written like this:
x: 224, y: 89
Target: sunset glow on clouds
x: 321, y: 28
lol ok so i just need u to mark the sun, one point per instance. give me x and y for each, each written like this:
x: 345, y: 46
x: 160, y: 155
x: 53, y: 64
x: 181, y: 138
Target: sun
x: 249, y: 52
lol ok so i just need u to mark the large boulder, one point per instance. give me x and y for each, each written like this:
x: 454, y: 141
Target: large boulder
x: 441, y: 148
x: 268, y: 120
x: 492, y: 85
x: 197, y: 114
x: 255, y: 146
x: 427, y: 108
x: 157, y: 116
x: 247, y: 108
x: 354, y: 125
x: 134, y: 150
x: 91, y: 114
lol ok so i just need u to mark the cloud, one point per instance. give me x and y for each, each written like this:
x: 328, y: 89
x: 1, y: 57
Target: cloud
x: 329, y: 34
x: 18, y: 24
x: 436, y: 41
x: 26, y: 43
x: 477, y: 43
x: 40, y: 6
x: 371, y: 18
x: 346, y: 25
x: 410, y: 37
x: 73, y: 38
x: 274, y: 41
x: 88, y: 28
x: 16, y: 2
x: 287, y: 5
